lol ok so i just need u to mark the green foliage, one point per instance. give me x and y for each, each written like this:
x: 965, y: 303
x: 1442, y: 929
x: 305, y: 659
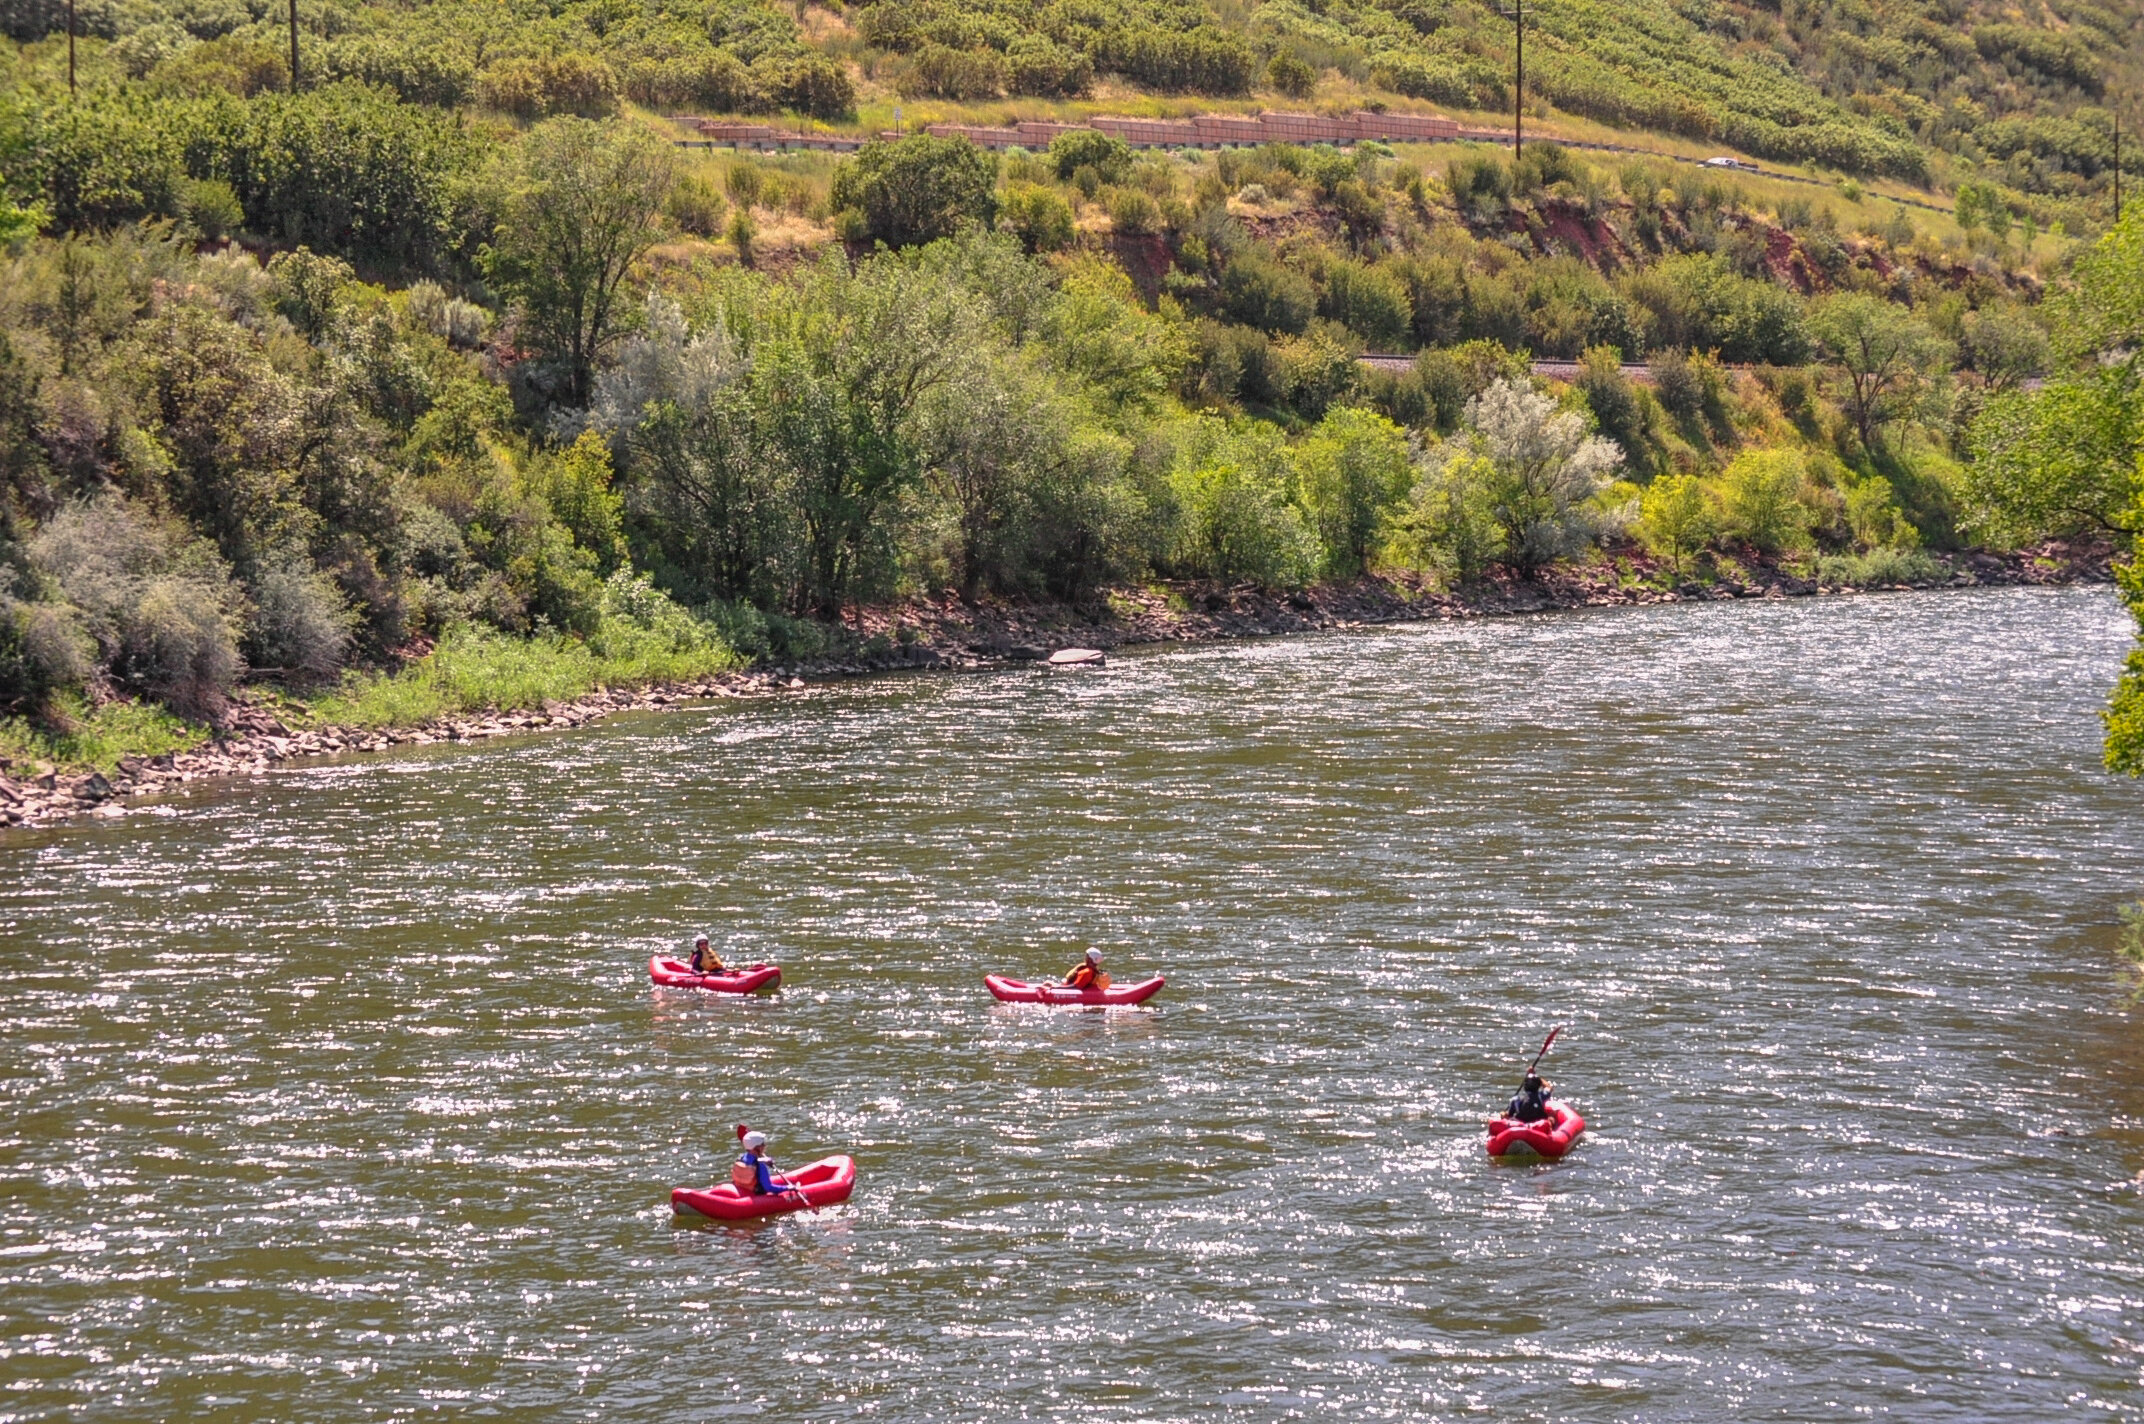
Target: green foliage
x: 1352, y: 469
x: 1884, y: 356
x: 1675, y: 519
x: 2124, y: 716
x: 210, y: 207
x: 1877, y: 521
x: 575, y: 485
x: 1259, y: 292
x: 476, y: 669
x: 72, y: 733
x: 578, y: 210
x: 1037, y: 216
x: 915, y: 189
x: 1450, y: 526
x: 1536, y: 471
x: 1761, y: 495
x: 1291, y: 76
x: 1109, y: 156
x: 1878, y: 568
x: 1230, y: 483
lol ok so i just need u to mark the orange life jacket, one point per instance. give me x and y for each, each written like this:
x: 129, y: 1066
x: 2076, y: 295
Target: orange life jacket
x: 1083, y: 976
x: 744, y: 1176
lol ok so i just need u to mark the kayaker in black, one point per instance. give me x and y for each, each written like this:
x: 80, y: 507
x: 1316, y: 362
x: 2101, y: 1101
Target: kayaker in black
x: 1531, y: 1105
x: 1089, y: 973
x: 704, y: 959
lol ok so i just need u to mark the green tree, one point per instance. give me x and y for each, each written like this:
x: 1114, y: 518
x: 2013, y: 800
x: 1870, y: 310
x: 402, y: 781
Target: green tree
x: 575, y: 484
x: 1538, y: 470
x: 1108, y: 155
x: 1761, y: 491
x: 1351, y: 470
x: 918, y: 188
x: 1884, y: 354
x: 583, y: 205
x: 1038, y: 217
x: 1097, y: 331
x: 1230, y: 483
x: 1291, y: 75
x: 1675, y: 519
x: 2070, y: 458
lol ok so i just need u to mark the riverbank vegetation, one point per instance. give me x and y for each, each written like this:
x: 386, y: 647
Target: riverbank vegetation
x: 443, y: 382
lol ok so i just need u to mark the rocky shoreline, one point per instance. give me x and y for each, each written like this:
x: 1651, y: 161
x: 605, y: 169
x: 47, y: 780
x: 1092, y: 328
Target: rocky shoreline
x: 947, y: 633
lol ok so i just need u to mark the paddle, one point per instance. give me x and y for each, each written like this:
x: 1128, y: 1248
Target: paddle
x: 792, y: 1188
x: 1544, y: 1049
x: 1537, y: 1059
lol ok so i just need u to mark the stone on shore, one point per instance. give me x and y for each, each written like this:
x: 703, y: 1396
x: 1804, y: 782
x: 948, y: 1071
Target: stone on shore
x: 1078, y: 657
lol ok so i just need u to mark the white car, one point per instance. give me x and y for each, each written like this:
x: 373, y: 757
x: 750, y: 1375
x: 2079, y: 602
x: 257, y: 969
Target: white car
x: 1730, y: 163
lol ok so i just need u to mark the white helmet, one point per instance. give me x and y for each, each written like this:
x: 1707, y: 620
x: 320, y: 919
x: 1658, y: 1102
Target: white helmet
x: 700, y: 938
x: 753, y: 1141
x: 1094, y: 955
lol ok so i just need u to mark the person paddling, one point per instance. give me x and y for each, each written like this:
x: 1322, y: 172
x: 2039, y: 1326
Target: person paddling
x: 754, y: 1171
x: 704, y: 958
x: 1088, y: 975
x: 1531, y: 1105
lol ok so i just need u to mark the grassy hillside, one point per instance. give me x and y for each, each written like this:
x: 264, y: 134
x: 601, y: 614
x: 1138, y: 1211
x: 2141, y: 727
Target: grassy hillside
x: 2021, y: 97
x: 453, y: 348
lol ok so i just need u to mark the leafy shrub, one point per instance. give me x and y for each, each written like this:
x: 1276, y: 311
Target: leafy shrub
x: 1449, y: 526
x: 695, y: 206
x: 1038, y: 217
x: 817, y: 86
x: 1037, y: 65
x: 1257, y: 291
x: 1873, y: 513
x: 942, y: 72
x: 300, y: 626
x: 1761, y: 493
x: 1291, y: 76
x: 1351, y: 470
x: 1878, y: 567
x: 918, y: 188
x: 42, y: 652
x: 1230, y: 484
x: 1480, y: 185
x: 1370, y: 301
x: 1109, y: 156
x: 1675, y: 518
x: 1538, y: 468
x: 538, y: 88
x: 1133, y: 213
x: 158, y: 603
x: 210, y: 207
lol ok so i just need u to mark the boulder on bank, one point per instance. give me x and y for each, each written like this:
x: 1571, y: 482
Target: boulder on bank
x: 1077, y: 657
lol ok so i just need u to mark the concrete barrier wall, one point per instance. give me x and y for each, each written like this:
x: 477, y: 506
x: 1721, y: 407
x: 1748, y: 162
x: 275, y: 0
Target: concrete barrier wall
x: 1204, y: 131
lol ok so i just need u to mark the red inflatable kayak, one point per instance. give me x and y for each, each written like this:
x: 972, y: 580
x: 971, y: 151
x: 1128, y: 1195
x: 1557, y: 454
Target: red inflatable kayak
x: 1012, y: 991
x: 677, y: 974
x: 1551, y: 1137
x: 823, y: 1183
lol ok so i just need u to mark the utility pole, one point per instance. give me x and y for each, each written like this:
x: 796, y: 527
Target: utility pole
x: 293, y: 46
x: 70, y: 56
x: 1517, y: 15
x: 2117, y: 168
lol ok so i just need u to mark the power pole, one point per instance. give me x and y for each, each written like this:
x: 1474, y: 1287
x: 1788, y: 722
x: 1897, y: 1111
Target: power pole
x: 293, y: 46
x: 1518, y: 98
x: 2117, y: 168
x: 70, y: 54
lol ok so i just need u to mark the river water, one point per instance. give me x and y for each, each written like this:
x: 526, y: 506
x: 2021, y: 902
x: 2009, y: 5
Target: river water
x: 343, y: 1094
